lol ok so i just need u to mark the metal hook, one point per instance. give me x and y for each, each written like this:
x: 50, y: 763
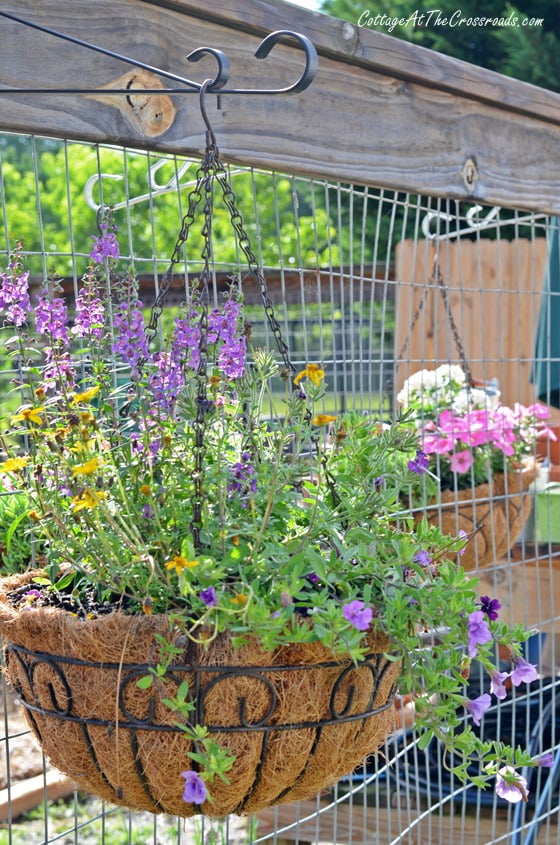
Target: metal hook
x: 263, y: 50
x: 203, y: 89
x: 223, y: 67
x: 311, y: 59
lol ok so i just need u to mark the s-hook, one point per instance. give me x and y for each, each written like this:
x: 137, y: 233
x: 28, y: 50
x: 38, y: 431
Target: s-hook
x: 215, y: 85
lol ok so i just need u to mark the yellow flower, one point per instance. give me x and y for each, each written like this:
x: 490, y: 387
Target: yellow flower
x: 86, y: 395
x: 240, y: 599
x: 13, y: 464
x: 86, y: 469
x: 86, y: 417
x: 29, y: 415
x: 323, y: 419
x: 88, y: 499
x: 313, y: 372
x: 84, y: 446
x: 178, y: 563
x: 145, y: 489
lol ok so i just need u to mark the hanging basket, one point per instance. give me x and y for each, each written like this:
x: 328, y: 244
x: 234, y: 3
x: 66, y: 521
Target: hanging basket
x: 296, y: 719
x: 498, y: 509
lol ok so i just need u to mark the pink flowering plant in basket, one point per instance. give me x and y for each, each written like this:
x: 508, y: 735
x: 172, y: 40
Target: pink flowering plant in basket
x: 466, y: 434
x: 276, y: 526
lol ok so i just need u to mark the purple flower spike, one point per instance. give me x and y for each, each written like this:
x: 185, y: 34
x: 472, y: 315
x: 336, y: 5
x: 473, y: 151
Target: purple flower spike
x: 479, y: 632
x: 14, y: 297
x: 105, y: 246
x: 208, y: 596
x: 523, y: 673
x: 358, y: 614
x: 477, y: 707
x: 51, y: 317
x: 420, y: 463
x: 490, y: 607
x: 195, y: 788
x: 510, y: 785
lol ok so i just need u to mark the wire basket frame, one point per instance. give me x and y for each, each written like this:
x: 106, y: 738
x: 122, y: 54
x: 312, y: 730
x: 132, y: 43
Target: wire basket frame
x: 346, y: 266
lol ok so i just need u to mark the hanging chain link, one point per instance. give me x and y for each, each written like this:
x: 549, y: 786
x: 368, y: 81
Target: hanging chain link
x: 436, y: 277
x: 253, y: 265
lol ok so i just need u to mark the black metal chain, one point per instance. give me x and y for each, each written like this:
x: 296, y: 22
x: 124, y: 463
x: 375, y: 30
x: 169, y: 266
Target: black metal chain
x: 437, y: 278
x: 210, y: 170
x: 253, y: 265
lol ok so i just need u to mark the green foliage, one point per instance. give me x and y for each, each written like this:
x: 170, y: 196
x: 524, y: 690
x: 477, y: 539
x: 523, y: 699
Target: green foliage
x: 15, y: 542
x: 50, y: 213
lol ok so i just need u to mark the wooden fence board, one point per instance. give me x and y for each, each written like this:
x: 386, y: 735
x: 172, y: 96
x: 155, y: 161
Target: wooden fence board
x: 380, y: 112
x: 494, y: 295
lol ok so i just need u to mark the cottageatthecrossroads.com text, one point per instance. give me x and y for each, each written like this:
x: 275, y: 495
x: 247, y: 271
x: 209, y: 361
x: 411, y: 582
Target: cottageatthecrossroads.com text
x: 436, y: 17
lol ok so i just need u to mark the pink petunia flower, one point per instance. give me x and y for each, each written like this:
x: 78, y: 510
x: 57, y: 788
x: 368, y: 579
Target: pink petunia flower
x: 461, y: 462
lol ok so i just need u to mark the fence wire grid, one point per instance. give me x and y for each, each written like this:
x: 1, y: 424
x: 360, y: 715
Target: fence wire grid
x: 351, y: 273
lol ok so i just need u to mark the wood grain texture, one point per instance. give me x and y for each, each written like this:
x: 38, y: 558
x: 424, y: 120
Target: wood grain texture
x: 380, y: 112
x: 494, y: 295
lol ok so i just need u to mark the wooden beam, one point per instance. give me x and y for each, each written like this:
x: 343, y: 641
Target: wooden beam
x: 380, y: 112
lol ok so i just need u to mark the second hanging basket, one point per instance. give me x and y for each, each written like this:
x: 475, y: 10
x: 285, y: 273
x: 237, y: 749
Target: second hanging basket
x: 493, y: 514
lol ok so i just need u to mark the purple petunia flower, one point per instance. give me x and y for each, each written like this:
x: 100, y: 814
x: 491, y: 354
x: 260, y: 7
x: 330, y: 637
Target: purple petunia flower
x: 423, y: 558
x: 195, y: 788
x: 358, y: 614
x: 462, y: 535
x: 546, y: 760
x: 477, y: 707
x: 313, y: 578
x: 478, y: 632
x: 497, y: 684
x: 510, y: 785
x: 243, y: 481
x: 490, y: 607
x: 208, y: 596
x: 420, y: 463
x: 379, y: 483
x: 523, y: 672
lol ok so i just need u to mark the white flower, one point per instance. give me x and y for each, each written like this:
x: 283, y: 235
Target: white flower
x: 450, y: 373
x: 416, y: 386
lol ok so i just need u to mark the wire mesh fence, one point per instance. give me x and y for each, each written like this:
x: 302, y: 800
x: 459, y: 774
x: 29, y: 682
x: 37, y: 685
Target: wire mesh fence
x: 350, y: 270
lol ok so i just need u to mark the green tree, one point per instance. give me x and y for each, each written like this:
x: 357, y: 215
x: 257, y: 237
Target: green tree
x: 530, y: 52
x: 45, y: 209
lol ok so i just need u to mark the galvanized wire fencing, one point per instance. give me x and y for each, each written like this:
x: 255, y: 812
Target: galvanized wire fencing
x: 350, y: 270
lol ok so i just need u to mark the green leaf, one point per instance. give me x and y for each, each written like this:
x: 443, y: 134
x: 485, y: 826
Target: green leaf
x: 183, y: 691
x: 13, y: 527
x: 145, y: 682
x: 65, y: 581
x: 425, y: 740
